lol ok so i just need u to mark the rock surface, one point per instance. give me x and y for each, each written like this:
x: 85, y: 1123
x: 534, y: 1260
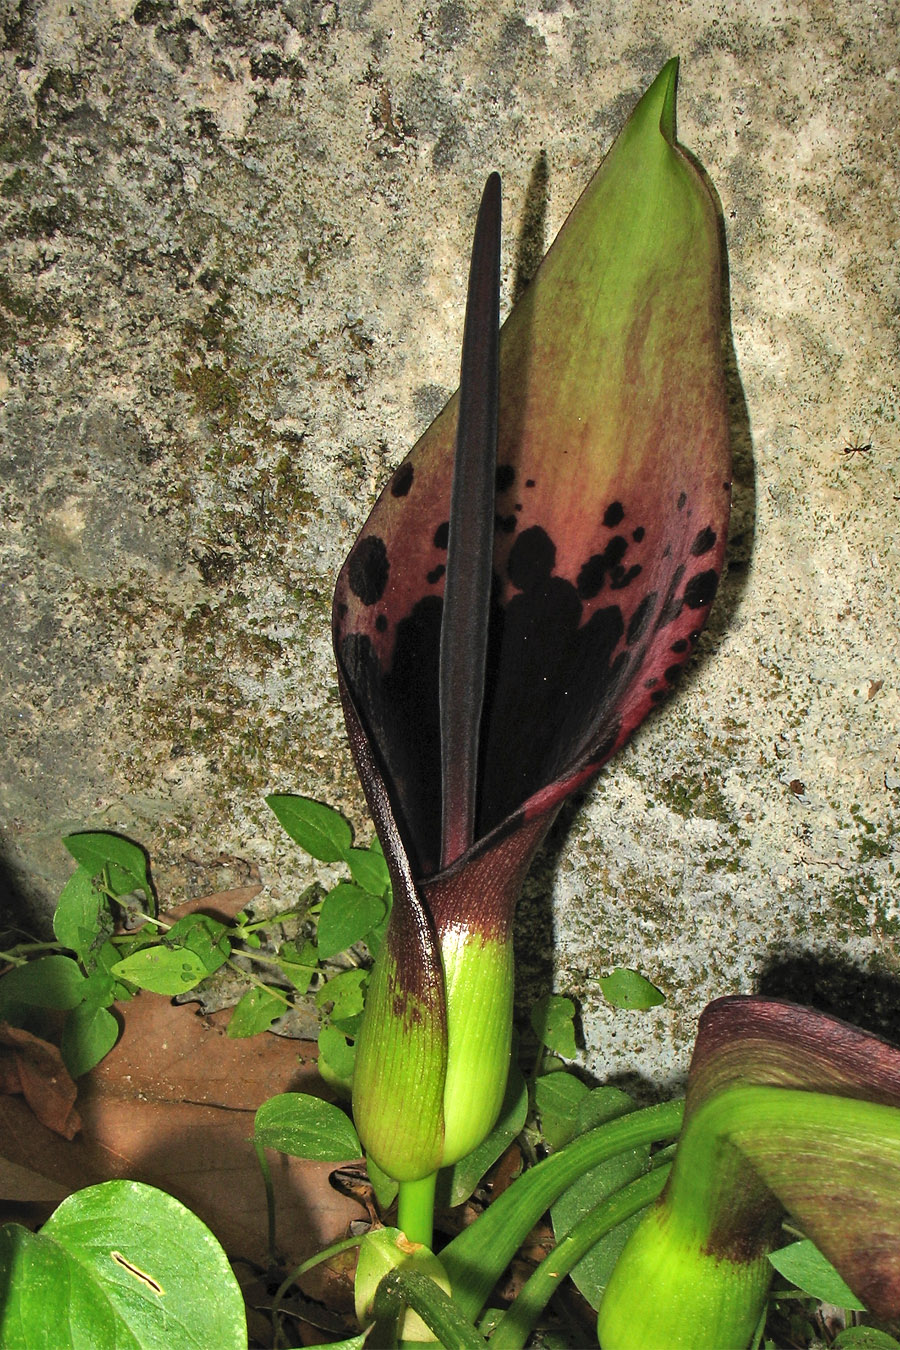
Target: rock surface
x: 235, y: 256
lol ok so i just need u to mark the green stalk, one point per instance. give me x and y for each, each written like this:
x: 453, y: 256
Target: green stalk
x: 410, y: 1288
x: 415, y: 1209
x: 475, y: 1260
x: 515, y: 1326
x: 270, y: 1201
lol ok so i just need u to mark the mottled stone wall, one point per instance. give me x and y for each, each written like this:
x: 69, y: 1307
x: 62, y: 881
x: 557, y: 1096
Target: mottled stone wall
x: 235, y: 252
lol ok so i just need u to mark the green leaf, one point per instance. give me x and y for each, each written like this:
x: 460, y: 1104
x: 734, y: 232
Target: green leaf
x: 864, y: 1338
x: 348, y: 912
x: 345, y: 991
x: 558, y: 1097
x: 627, y: 989
x: 552, y: 1020
x: 82, y: 914
x: 369, y: 870
x: 120, y: 1264
x: 89, y: 1033
x: 336, y: 1054
x: 255, y: 1012
x: 126, y: 862
x: 162, y: 970
x: 456, y: 1183
x: 592, y: 1273
x: 48, y: 982
x: 306, y: 1127
x: 206, y: 937
x: 804, y: 1265
x: 319, y: 829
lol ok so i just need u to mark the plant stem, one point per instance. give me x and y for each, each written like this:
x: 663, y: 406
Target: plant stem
x: 514, y: 1327
x: 415, y: 1209
x: 15, y: 957
x: 345, y: 1245
x: 270, y: 1200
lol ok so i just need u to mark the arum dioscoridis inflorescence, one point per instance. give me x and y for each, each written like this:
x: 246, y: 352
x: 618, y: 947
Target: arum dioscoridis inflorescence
x: 525, y: 590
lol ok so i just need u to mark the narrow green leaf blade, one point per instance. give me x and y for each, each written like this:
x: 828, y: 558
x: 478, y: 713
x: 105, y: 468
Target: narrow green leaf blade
x: 306, y: 1127
x: 319, y: 829
x: 456, y: 1183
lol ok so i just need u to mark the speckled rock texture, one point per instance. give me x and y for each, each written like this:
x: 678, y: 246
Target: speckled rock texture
x: 234, y: 262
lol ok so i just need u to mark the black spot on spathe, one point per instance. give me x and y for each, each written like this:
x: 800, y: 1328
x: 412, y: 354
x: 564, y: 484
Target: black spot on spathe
x: 368, y: 569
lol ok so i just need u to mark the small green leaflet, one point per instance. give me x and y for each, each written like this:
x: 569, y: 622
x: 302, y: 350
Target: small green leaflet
x: 335, y: 1054
x: 348, y: 913
x: 804, y: 1265
x: 255, y: 1012
x: 89, y: 1033
x: 319, y: 829
x: 552, y: 1021
x: 627, y: 989
x: 558, y: 1097
x: 81, y: 914
x: 306, y: 1127
x: 162, y: 970
x: 125, y: 861
x: 369, y: 870
x: 864, y: 1338
x: 48, y: 982
x: 345, y: 992
x: 204, y: 936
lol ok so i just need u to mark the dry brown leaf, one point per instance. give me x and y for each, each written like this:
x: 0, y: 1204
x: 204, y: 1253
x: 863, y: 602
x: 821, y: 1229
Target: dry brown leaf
x: 43, y: 1079
x: 173, y: 1105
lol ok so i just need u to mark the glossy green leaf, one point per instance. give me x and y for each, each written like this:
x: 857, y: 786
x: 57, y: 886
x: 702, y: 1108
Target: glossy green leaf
x: 628, y: 989
x: 347, y: 915
x: 319, y: 829
x: 119, y: 1266
x: 804, y: 1265
x: 864, y: 1338
x: 161, y: 970
x: 306, y: 1127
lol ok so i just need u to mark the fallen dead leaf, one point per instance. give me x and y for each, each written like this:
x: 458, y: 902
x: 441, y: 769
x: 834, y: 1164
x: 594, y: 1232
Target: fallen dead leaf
x: 34, y: 1068
x: 173, y: 1105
